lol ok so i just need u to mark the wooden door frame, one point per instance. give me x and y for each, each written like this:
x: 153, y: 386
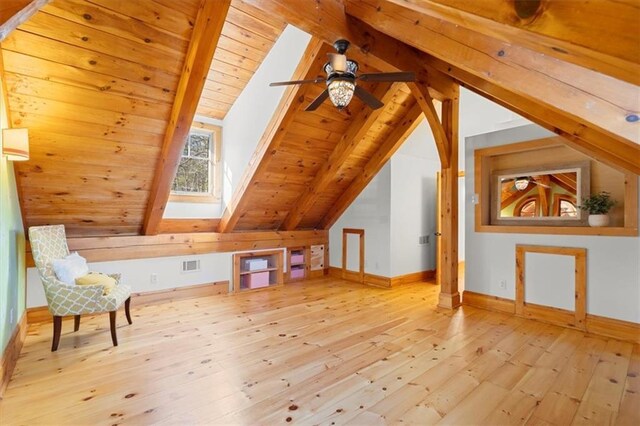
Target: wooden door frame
x: 348, y: 275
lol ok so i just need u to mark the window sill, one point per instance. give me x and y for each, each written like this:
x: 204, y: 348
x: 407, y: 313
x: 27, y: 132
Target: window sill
x: 612, y: 231
x: 182, y: 198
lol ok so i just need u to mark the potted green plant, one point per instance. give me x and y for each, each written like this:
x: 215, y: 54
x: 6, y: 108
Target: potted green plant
x: 598, y: 205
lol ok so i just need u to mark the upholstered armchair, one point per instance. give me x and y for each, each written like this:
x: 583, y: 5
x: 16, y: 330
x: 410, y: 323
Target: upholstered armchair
x: 49, y: 243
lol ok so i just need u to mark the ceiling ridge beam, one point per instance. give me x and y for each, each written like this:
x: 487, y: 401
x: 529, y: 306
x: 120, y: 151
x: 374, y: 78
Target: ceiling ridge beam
x: 272, y: 137
x: 579, y: 98
x: 420, y: 92
x: 343, y: 149
x: 11, y: 16
x: 553, y: 29
x: 386, y: 150
x: 204, y: 39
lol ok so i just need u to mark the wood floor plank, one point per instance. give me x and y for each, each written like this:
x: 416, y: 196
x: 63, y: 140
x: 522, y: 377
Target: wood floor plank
x: 322, y: 351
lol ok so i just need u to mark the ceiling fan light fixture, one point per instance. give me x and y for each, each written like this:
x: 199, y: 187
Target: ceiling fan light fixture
x: 521, y: 183
x: 341, y: 91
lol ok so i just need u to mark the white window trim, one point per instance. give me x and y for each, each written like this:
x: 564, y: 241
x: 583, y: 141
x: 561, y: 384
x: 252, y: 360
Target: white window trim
x: 215, y: 169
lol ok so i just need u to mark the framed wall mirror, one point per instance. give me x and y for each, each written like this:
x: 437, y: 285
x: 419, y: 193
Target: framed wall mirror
x: 548, y: 195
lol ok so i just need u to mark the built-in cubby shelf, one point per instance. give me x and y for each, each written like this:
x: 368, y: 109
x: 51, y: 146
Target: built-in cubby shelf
x: 257, y: 270
x: 298, y: 263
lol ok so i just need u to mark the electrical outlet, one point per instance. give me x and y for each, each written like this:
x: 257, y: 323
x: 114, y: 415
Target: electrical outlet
x: 154, y: 278
x: 503, y: 284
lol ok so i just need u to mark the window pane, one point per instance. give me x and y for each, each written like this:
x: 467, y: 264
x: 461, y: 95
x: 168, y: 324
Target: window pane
x: 568, y: 209
x: 528, y: 209
x: 199, y: 145
x: 192, y: 176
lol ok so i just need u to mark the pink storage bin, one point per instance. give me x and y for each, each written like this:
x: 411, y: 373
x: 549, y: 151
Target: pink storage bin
x: 297, y: 258
x: 256, y: 280
x: 297, y: 273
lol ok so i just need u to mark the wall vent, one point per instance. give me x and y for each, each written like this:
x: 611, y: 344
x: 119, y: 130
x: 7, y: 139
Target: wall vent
x: 424, y: 239
x: 190, y: 265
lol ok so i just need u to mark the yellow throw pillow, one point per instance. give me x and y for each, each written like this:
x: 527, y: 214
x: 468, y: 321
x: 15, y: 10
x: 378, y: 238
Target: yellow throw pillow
x: 95, y: 278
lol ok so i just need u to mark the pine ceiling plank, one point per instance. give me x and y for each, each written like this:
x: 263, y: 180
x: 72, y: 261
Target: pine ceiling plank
x: 386, y: 151
x: 118, y: 24
x: 241, y: 48
x: 580, y: 98
x: 207, y: 29
x: 71, y: 76
x: 86, y: 37
x: 52, y: 50
x: 55, y: 109
x: 171, y: 19
x: 211, y: 113
x: 235, y: 59
x: 603, y: 36
x: 84, y: 129
x: 272, y: 137
x: 255, y: 25
x: 179, y: 226
x: 15, y: 12
x: 230, y: 69
x: 29, y: 86
x: 249, y: 38
x: 226, y: 79
x: 363, y: 119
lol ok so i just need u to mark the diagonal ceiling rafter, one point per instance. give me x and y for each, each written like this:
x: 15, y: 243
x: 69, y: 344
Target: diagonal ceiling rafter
x: 364, y: 119
x: 386, y: 150
x: 206, y: 32
x: 590, y: 106
x: 271, y: 139
x: 15, y: 12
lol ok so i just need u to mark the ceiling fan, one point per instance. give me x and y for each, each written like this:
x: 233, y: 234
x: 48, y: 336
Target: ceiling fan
x: 522, y: 182
x: 341, y: 80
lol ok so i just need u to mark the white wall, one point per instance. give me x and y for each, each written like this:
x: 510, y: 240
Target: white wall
x: 370, y: 211
x: 613, y: 263
x: 248, y: 118
x: 137, y: 273
x: 413, y: 206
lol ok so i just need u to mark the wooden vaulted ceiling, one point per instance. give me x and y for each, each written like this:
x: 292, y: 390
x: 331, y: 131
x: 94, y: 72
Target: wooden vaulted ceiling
x: 101, y: 85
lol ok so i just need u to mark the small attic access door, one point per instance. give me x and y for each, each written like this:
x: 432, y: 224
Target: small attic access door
x: 349, y: 254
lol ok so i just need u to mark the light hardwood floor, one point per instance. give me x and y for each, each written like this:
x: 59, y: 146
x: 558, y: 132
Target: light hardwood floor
x: 322, y: 352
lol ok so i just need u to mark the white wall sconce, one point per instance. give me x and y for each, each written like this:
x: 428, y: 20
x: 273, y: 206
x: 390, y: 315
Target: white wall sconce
x: 15, y: 144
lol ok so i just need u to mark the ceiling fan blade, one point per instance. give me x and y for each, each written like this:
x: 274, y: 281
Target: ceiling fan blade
x: 287, y: 83
x: 318, y: 101
x: 388, y: 76
x: 367, y: 98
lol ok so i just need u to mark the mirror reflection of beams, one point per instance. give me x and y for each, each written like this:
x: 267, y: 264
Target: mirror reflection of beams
x: 548, y: 194
x: 552, y: 194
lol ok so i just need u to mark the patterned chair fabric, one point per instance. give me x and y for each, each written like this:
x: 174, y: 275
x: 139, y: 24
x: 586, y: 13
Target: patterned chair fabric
x: 49, y: 243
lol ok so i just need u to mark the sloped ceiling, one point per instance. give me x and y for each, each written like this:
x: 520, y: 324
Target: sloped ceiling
x: 247, y: 36
x: 94, y: 82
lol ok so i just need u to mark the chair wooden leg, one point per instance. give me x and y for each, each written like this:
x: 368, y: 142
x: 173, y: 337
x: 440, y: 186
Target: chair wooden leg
x: 57, y: 328
x: 76, y: 323
x: 127, y: 304
x: 112, y: 320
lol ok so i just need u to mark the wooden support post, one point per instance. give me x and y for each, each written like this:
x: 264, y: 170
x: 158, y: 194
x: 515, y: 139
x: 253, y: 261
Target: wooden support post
x: 206, y: 33
x: 448, y: 246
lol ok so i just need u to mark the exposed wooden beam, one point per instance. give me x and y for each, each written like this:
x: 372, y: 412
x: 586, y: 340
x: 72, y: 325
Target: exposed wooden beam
x: 292, y: 99
x: 15, y: 12
x: 600, y: 35
x: 327, y: 20
x: 206, y: 32
x: 358, y: 128
x: 394, y: 141
x: 545, y: 194
x: 179, y: 226
x: 448, y: 240
x: 580, y: 100
x: 421, y: 94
